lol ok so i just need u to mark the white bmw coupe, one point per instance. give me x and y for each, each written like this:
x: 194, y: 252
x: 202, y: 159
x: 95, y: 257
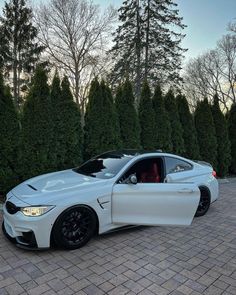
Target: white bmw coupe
x: 112, y: 190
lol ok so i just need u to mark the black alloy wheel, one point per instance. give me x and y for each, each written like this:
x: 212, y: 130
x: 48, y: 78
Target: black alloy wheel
x: 204, y: 203
x: 74, y: 227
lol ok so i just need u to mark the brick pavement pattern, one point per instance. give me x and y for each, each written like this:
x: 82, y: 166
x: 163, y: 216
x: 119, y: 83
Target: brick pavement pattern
x: 199, y: 259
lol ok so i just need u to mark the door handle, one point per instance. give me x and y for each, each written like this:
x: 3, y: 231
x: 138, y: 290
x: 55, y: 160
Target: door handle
x: 185, y: 191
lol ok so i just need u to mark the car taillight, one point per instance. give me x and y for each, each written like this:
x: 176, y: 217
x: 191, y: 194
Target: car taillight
x: 214, y: 173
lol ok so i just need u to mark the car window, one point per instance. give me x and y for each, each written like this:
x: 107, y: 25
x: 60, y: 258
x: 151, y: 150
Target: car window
x: 147, y: 171
x: 174, y: 165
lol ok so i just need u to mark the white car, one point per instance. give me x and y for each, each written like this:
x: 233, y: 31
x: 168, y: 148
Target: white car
x: 112, y: 190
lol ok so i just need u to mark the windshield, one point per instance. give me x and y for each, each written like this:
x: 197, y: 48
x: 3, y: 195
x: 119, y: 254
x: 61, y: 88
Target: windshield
x: 104, y: 166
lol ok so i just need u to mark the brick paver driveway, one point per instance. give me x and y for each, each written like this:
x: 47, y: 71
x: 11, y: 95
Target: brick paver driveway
x: 200, y: 259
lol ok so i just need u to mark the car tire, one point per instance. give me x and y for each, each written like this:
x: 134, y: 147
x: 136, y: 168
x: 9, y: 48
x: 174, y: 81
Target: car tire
x: 74, y: 227
x: 204, y: 203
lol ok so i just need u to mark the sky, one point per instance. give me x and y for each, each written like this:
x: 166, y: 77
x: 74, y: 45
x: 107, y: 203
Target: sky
x: 206, y: 21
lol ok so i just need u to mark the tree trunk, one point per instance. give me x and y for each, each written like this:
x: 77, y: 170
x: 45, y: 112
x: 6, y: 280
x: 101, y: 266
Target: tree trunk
x: 147, y: 40
x: 18, y: 86
x: 16, y: 99
x: 15, y: 70
x: 76, y: 87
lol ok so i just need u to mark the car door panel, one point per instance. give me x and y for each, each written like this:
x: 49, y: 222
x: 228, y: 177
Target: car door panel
x: 155, y: 203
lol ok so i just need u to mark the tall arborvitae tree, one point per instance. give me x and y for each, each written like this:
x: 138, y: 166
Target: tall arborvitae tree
x: 223, y: 143
x: 9, y: 140
x: 37, y: 129
x: 19, y: 50
x: 176, y: 126
x: 164, y: 141
x: 101, y: 121
x: 146, y: 46
x: 67, y: 128
x: 128, y: 118
x: 232, y: 137
x: 147, y: 119
x: 93, y: 122
x: 206, y: 134
x: 189, y: 131
x: 55, y: 99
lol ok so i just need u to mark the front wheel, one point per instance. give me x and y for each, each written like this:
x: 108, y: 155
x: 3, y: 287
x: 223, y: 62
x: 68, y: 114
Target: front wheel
x: 74, y: 227
x: 204, y: 203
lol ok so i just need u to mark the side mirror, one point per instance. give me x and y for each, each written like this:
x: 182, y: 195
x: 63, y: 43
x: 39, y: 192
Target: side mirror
x: 132, y: 179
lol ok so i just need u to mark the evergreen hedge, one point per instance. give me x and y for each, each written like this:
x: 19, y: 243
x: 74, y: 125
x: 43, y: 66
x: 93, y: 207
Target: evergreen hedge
x: 189, y: 131
x: 147, y: 119
x: 176, y: 127
x: 101, y: 121
x: 37, y: 129
x: 222, y: 137
x: 67, y: 131
x: 128, y: 118
x: 206, y: 133
x: 163, y: 140
x: 9, y: 140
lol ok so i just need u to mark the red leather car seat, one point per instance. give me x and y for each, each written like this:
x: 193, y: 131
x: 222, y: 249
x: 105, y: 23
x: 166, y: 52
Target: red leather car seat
x: 152, y: 175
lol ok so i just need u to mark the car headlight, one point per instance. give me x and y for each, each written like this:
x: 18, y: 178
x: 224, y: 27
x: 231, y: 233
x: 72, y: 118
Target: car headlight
x: 36, y: 211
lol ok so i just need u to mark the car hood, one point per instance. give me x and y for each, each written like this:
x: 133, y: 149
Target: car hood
x: 54, y: 182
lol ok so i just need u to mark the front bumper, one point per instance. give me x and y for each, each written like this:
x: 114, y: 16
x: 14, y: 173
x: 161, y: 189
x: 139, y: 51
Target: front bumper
x: 28, y: 232
x: 26, y: 241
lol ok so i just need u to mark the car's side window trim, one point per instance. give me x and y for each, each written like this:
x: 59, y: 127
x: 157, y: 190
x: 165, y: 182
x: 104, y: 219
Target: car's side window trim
x: 165, y: 158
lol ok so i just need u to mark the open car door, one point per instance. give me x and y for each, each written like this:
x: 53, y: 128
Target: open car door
x: 154, y: 203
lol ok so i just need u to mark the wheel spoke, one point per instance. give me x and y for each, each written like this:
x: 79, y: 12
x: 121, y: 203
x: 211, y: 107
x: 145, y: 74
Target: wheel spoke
x: 75, y: 227
x: 203, y: 204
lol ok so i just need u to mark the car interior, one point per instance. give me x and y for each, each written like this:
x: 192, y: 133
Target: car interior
x: 147, y: 171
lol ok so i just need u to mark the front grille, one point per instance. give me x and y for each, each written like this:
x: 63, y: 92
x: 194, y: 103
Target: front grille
x: 11, y: 208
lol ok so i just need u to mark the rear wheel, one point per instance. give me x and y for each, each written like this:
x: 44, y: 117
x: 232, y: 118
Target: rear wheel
x: 204, y: 203
x: 74, y: 227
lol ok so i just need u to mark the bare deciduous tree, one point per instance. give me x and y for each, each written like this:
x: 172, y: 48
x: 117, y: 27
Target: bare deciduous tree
x: 213, y: 72
x: 76, y: 36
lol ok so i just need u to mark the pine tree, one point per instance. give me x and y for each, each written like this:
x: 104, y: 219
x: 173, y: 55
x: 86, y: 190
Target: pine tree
x: 37, y: 128
x: 223, y: 143
x: 19, y: 50
x: 146, y: 46
x: 206, y: 134
x: 176, y: 127
x: 164, y: 141
x: 128, y: 49
x: 232, y: 137
x: 147, y: 119
x: 9, y: 140
x: 128, y: 118
x: 101, y: 121
x: 162, y: 45
x: 189, y: 131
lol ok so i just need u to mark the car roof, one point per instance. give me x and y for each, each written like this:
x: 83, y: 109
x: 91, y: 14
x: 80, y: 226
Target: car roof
x: 138, y: 152
x: 130, y: 152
